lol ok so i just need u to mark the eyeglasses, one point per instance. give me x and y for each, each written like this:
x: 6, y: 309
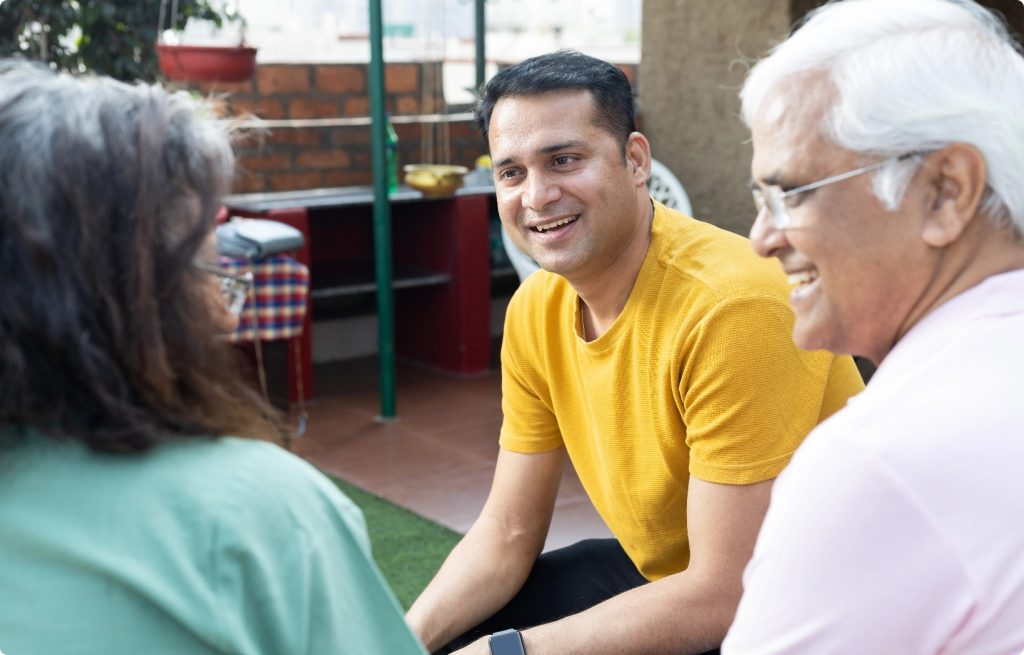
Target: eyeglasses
x: 234, y: 288
x: 773, y: 197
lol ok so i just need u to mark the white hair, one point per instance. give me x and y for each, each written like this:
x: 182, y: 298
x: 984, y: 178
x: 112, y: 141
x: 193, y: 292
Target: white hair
x: 911, y: 76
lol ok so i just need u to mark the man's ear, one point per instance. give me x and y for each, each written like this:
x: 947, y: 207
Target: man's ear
x: 638, y: 157
x: 959, y: 176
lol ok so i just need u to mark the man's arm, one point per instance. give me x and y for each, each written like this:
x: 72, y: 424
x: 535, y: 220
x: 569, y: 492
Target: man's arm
x: 688, y: 612
x: 490, y: 564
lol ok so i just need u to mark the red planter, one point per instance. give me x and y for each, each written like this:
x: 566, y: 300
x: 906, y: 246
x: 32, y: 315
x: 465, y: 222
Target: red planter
x: 189, y: 63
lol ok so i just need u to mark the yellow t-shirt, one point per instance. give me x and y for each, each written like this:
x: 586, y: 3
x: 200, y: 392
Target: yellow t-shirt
x: 697, y: 376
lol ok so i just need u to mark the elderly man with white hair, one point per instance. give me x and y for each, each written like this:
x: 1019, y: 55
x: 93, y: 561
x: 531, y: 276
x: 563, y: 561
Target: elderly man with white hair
x: 888, y: 173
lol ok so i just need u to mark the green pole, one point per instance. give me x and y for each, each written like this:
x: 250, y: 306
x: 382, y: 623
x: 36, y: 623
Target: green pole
x: 481, y: 43
x: 381, y: 217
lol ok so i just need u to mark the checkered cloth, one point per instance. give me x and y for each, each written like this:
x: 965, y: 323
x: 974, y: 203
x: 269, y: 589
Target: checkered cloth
x: 280, y: 290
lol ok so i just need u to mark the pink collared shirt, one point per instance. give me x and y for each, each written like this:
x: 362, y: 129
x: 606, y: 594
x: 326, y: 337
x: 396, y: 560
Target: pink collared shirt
x: 899, y: 525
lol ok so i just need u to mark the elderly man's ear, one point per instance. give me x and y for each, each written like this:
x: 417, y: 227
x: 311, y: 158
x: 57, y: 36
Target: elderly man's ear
x: 957, y: 175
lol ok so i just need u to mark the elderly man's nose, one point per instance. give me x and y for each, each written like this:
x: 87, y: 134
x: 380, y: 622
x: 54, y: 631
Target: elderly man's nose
x: 765, y: 238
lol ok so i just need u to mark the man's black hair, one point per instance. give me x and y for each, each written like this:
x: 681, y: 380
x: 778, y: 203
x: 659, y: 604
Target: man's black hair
x: 562, y: 71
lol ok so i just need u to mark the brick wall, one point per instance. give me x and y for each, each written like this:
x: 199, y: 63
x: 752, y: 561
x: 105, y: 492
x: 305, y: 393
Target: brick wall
x: 287, y: 158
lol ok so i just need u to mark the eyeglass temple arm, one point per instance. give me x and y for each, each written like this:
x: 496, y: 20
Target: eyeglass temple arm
x: 848, y: 174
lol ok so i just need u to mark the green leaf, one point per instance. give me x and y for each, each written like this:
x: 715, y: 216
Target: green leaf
x: 117, y: 36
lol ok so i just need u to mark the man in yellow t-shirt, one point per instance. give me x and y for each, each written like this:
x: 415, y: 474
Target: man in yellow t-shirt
x: 655, y: 351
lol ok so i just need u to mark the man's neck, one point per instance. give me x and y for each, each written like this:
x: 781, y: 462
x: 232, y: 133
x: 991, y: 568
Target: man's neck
x: 965, y: 265
x: 603, y: 296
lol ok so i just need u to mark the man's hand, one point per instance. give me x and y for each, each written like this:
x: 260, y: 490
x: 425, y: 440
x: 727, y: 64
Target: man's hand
x: 486, y: 569
x: 688, y: 612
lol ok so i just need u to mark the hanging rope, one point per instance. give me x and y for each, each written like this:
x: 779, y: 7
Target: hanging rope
x: 444, y: 128
x: 426, y: 91
x: 163, y: 14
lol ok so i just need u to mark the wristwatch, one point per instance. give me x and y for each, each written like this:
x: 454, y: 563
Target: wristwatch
x: 506, y: 642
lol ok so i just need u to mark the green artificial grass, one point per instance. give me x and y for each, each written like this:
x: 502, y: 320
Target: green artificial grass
x: 408, y: 548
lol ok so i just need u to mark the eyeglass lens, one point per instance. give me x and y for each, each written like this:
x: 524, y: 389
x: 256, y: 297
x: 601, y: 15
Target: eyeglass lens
x: 771, y: 198
x: 235, y: 293
x: 775, y: 198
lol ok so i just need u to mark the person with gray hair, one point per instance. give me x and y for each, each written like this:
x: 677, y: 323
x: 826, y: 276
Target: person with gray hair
x: 888, y: 173
x: 130, y: 520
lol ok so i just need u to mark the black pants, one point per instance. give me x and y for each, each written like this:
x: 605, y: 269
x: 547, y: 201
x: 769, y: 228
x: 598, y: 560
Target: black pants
x: 563, y: 582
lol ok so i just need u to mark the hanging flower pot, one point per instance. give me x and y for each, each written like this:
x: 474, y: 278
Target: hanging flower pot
x: 205, y: 63
x: 202, y: 63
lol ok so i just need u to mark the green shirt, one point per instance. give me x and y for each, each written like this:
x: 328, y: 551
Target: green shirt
x: 200, y: 546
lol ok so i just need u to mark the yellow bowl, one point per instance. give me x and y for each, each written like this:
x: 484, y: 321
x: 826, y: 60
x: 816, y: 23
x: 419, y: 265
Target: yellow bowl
x: 435, y: 180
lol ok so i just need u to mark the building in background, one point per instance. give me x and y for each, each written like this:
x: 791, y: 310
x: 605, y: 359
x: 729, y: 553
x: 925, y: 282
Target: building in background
x: 326, y: 31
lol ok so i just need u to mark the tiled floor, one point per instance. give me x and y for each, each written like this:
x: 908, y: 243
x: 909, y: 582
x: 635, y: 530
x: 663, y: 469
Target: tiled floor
x: 437, y: 458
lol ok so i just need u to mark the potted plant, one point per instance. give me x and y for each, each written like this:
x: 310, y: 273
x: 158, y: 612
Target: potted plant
x: 203, y: 62
x: 111, y: 37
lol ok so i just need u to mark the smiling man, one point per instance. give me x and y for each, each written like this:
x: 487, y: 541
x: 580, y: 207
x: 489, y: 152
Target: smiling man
x: 889, y: 175
x: 654, y: 352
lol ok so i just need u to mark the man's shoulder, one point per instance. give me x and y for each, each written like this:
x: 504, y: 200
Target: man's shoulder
x: 693, y: 254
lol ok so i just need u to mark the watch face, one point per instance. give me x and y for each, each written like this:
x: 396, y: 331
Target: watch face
x: 507, y: 642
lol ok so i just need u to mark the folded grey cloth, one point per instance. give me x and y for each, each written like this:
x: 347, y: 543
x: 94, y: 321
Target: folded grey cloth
x: 256, y: 238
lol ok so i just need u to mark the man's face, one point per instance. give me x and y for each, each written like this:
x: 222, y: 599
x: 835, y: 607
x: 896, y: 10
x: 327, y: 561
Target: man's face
x: 566, y: 195
x: 857, y: 271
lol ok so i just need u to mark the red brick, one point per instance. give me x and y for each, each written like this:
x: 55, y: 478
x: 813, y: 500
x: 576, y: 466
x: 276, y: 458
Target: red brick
x: 312, y: 108
x: 362, y: 159
x: 290, y: 181
x: 464, y: 130
x: 269, y: 108
x: 409, y: 132
x: 402, y: 78
x: 347, y: 178
x: 407, y: 105
x: 302, y: 136
x: 265, y: 162
x: 343, y: 136
x: 467, y: 156
x: 357, y: 106
x: 473, y: 149
x: 282, y: 78
x: 324, y: 159
x: 340, y: 78
x: 249, y: 183
x: 216, y: 88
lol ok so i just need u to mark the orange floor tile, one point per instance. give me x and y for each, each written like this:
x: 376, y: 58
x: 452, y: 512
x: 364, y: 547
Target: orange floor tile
x: 437, y: 458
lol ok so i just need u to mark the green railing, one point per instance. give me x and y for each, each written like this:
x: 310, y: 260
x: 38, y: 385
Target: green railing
x: 381, y: 203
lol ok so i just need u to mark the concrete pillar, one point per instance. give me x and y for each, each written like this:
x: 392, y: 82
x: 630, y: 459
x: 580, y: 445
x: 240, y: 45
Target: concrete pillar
x: 695, y: 55
x: 694, y: 58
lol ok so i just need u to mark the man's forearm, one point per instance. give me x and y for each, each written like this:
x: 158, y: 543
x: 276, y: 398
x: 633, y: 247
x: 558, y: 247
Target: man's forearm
x: 481, y: 574
x: 679, y: 614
